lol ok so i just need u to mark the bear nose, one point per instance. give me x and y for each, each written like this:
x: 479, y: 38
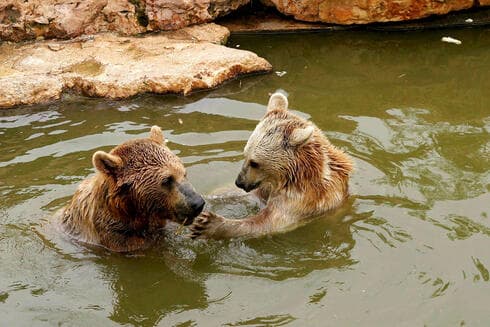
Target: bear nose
x: 239, y: 183
x: 198, y: 205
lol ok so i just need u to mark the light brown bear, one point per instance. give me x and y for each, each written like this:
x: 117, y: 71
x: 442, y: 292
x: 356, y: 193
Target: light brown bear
x: 292, y: 167
x: 138, y: 187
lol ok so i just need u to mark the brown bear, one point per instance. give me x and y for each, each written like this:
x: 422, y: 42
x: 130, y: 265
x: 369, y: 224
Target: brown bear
x: 138, y: 187
x: 292, y: 167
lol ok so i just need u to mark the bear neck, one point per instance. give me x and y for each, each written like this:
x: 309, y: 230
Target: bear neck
x: 79, y: 215
x: 319, y: 177
x: 307, y: 169
x: 93, y: 213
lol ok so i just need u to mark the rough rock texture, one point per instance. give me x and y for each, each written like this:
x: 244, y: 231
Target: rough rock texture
x: 368, y: 11
x: 22, y: 20
x: 173, y: 14
x: 117, y: 67
x: 29, y: 19
x: 272, y: 22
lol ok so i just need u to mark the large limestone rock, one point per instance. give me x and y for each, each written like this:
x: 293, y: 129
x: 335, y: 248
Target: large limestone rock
x: 30, y: 19
x: 21, y: 20
x: 173, y: 14
x: 367, y: 11
x: 117, y: 67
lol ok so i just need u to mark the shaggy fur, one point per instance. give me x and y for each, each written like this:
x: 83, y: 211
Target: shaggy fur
x: 292, y: 167
x: 138, y: 187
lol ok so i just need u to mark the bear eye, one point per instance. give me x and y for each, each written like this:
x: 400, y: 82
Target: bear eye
x: 254, y: 164
x: 167, y: 181
x: 124, y: 188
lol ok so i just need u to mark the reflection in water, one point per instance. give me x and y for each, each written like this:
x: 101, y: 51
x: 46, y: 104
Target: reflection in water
x: 144, y: 286
x: 484, y: 274
x: 275, y: 320
x: 282, y: 256
x: 147, y: 288
x: 410, y: 248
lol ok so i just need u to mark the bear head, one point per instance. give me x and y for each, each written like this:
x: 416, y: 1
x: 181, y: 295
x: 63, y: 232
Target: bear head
x: 147, y: 183
x: 282, y: 150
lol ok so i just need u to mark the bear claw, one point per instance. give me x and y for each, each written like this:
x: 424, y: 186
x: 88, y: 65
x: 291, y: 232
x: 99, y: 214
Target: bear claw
x: 199, y: 225
x: 204, y: 225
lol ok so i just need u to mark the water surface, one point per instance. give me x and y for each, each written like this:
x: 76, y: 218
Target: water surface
x: 410, y: 248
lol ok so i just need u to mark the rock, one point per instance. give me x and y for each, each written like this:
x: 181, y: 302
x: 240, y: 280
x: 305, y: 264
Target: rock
x: 55, y: 46
x: 119, y: 16
x: 118, y: 67
x: 28, y: 89
x: 272, y: 22
x: 362, y: 12
x: 30, y: 19
x: 174, y: 14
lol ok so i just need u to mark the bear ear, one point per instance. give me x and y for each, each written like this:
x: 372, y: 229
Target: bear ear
x: 300, y: 136
x: 277, y: 101
x: 156, y: 135
x: 105, y: 162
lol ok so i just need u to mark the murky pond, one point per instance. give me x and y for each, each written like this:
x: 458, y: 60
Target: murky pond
x: 410, y: 248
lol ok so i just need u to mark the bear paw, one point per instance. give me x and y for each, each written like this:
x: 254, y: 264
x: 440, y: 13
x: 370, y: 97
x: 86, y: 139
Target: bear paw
x: 206, y: 225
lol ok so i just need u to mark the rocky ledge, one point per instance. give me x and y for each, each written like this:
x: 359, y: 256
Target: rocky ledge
x: 114, y: 67
x: 267, y: 22
x: 31, y: 19
x: 346, y: 12
x: 34, y: 19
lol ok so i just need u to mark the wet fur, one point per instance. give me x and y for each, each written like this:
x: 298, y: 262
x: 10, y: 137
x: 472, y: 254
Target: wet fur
x: 299, y: 179
x: 123, y: 207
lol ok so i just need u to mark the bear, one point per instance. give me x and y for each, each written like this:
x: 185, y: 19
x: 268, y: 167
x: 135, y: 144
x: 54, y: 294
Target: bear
x: 292, y: 167
x: 138, y: 187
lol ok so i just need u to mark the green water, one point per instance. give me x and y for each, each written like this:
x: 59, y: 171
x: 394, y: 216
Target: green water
x: 411, y: 247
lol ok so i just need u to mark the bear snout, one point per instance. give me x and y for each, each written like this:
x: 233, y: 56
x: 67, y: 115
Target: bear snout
x: 197, y: 205
x: 245, y: 186
x: 192, y: 203
x: 239, y: 183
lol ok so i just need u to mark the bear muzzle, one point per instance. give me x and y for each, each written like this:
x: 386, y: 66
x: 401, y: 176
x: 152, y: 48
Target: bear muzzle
x: 247, y: 187
x: 197, y: 205
x: 192, y: 205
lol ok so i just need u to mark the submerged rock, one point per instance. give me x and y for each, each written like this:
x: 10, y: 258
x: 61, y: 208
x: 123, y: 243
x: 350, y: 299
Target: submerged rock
x: 31, y: 19
x: 118, y: 67
x: 363, y: 12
